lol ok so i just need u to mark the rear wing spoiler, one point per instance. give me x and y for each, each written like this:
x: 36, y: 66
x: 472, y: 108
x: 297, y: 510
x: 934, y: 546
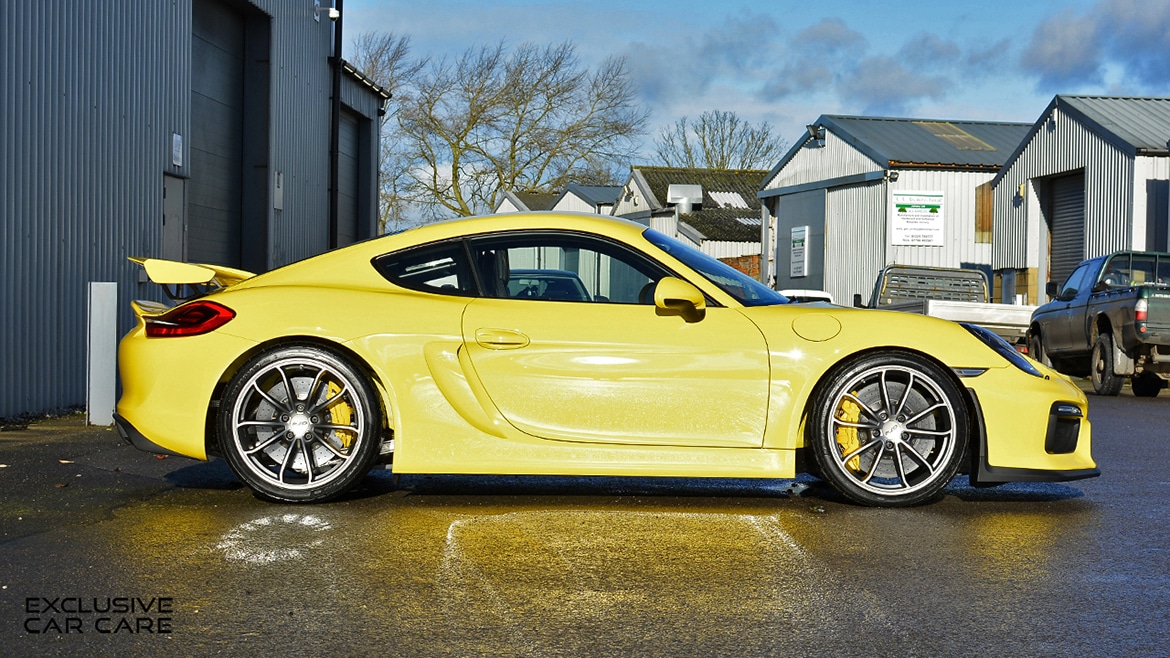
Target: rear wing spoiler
x: 198, y: 279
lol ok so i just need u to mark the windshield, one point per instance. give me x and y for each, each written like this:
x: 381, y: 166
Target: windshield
x: 742, y: 287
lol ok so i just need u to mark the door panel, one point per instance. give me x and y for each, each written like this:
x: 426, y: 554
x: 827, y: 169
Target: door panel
x: 620, y: 373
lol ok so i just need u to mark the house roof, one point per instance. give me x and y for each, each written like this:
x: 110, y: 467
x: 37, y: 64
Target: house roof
x: 1137, y: 126
x: 720, y: 224
x: 532, y: 200
x: 921, y: 143
x: 730, y: 210
x: 595, y: 194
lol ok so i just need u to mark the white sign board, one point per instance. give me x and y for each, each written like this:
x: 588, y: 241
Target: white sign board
x: 917, y: 219
x: 796, y: 267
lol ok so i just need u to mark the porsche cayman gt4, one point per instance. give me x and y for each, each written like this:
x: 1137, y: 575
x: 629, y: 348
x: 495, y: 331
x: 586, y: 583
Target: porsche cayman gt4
x: 566, y: 344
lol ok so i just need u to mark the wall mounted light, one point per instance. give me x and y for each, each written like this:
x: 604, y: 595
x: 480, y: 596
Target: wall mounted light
x: 330, y: 12
x: 817, y: 134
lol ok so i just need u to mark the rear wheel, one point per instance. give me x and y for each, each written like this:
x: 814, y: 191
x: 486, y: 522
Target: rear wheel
x: 299, y: 424
x: 1146, y: 384
x: 889, y: 429
x: 1104, y: 381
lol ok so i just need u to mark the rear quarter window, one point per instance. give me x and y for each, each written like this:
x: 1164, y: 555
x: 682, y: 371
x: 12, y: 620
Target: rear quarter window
x: 439, y: 268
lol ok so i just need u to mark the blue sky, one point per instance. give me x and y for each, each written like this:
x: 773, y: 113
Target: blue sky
x: 787, y: 63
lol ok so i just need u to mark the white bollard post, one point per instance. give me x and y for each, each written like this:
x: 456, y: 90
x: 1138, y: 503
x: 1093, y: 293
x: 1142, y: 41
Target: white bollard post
x: 102, y: 353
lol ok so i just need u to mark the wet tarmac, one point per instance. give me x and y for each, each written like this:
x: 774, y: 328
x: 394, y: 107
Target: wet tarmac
x: 107, y: 550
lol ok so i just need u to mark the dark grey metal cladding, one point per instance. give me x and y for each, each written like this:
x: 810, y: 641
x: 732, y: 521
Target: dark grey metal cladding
x: 217, y: 135
x: 347, y: 197
x: 106, y: 109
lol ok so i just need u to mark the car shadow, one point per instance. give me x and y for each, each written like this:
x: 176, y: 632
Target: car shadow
x: 215, y: 475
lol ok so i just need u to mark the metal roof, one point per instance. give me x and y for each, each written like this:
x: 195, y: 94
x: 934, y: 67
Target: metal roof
x: 929, y: 142
x: 1137, y: 126
x: 1142, y: 124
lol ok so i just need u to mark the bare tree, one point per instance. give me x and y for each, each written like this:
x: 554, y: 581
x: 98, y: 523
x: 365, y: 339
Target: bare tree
x: 529, y: 119
x: 385, y: 58
x: 719, y: 140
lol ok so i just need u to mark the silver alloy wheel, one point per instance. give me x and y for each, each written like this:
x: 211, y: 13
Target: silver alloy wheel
x: 894, y: 431
x: 298, y: 423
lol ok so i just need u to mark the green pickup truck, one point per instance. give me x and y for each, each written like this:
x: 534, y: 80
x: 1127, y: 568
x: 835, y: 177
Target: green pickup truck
x: 1109, y: 320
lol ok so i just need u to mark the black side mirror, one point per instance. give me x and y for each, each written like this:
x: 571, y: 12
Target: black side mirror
x: 1052, y: 289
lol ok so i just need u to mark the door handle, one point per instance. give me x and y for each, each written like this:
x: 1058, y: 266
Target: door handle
x: 501, y: 339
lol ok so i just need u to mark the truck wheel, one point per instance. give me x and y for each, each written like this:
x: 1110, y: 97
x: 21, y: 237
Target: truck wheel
x: 1036, y: 349
x: 1146, y: 384
x: 1104, y: 381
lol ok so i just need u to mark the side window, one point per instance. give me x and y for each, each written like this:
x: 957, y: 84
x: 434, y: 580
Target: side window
x: 1074, y: 283
x: 440, y: 268
x: 563, y: 267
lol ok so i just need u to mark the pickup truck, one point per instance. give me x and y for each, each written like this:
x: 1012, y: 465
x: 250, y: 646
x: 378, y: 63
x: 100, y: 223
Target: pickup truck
x: 959, y: 295
x: 1109, y: 320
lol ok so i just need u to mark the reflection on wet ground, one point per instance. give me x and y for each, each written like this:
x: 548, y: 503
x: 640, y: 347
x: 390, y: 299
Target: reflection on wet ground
x: 544, y: 566
x: 601, y: 566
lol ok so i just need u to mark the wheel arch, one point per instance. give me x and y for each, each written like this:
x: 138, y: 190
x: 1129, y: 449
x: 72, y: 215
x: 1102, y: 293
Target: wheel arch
x: 826, y: 378
x: 1101, y: 325
x: 386, y: 408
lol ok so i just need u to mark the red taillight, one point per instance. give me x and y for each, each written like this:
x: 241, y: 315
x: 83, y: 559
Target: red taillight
x: 191, y: 319
x: 1141, y: 310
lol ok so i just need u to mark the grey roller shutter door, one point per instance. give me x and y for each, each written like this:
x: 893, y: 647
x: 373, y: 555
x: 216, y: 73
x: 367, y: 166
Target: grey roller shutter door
x: 1068, y: 224
x: 347, y: 181
x: 215, y: 191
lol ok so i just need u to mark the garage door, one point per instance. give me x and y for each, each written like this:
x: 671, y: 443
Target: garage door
x: 1067, y: 210
x: 217, y: 98
x: 347, y: 181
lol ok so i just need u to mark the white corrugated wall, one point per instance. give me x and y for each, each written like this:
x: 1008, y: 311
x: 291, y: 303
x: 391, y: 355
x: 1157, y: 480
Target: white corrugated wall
x: 833, y: 160
x: 726, y: 249
x: 855, y: 242
x: 1020, y: 234
x: 1148, y: 169
x: 958, y: 188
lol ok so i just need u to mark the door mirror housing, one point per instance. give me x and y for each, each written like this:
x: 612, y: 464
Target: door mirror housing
x: 677, y: 297
x: 1052, y: 289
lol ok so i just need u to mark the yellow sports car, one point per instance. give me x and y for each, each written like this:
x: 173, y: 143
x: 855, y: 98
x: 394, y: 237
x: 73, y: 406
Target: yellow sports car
x: 655, y: 360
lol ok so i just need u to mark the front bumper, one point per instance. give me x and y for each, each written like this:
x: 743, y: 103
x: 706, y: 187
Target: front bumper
x: 1066, y: 428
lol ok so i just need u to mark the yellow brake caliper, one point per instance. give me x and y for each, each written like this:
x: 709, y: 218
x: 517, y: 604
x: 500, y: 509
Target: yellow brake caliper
x: 847, y: 437
x: 340, y: 413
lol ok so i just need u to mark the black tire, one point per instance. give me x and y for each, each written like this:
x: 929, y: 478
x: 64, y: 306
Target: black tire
x: 1146, y: 384
x: 307, y: 447
x: 1036, y: 349
x: 888, y: 429
x: 1104, y: 381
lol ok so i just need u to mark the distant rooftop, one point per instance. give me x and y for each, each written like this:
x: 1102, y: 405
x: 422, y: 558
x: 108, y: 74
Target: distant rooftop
x: 730, y: 209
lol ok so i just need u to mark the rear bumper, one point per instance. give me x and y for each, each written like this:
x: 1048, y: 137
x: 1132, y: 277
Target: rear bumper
x: 135, y: 438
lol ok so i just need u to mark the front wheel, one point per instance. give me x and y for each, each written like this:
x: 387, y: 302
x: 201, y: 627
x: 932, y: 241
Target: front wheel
x: 1104, y: 381
x: 299, y: 424
x: 889, y: 429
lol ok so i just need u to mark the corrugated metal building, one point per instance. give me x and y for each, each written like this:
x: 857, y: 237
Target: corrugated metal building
x: 187, y: 129
x: 1092, y: 176
x: 858, y: 193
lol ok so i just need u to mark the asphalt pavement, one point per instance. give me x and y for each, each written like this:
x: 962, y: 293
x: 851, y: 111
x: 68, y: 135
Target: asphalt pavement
x: 104, y: 549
